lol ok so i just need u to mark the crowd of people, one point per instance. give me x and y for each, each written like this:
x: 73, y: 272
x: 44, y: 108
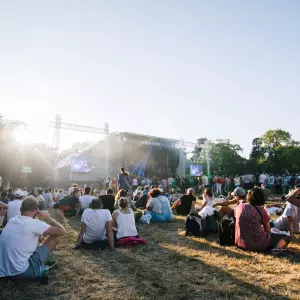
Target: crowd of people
x: 108, y: 217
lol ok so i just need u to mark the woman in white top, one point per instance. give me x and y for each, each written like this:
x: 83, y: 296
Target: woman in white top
x: 208, y: 198
x: 124, y: 220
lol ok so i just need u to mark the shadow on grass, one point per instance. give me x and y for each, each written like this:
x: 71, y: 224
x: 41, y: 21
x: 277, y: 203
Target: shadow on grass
x: 156, y: 271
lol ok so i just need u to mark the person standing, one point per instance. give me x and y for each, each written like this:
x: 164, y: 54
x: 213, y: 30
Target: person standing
x: 237, y: 181
x: 219, y: 185
x: 123, y: 180
x: 164, y: 184
x: 262, y: 179
x: 48, y: 199
x: 205, y: 183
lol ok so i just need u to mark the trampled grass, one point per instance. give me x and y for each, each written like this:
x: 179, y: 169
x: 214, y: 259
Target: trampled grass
x: 171, y: 267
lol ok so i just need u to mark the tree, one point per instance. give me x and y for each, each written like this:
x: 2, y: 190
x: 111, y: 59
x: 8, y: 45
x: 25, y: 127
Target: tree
x: 198, y: 152
x: 275, y: 138
x: 225, y: 157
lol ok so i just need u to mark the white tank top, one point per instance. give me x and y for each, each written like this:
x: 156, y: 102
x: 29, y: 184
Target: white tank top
x: 210, y: 201
x: 126, y: 225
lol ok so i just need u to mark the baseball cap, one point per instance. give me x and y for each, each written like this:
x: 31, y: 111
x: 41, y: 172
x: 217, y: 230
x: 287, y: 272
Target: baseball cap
x: 19, y: 193
x: 238, y: 192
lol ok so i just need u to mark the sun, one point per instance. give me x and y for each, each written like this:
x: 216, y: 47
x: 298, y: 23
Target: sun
x: 22, y: 136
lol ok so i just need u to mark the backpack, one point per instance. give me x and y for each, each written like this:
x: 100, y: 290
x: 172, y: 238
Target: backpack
x: 195, y: 226
x: 226, y: 232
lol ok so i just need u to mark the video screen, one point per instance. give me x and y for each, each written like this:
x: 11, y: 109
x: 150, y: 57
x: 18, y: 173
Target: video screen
x: 79, y: 164
x: 196, y: 170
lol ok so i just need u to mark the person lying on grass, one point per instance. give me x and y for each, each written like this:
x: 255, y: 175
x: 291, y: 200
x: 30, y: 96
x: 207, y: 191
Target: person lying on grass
x: 123, y: 220
x: 186, y: 203
x: 20, y: 255
x: 95, y: 224
x: 252, y: 230
x: 239, y: 195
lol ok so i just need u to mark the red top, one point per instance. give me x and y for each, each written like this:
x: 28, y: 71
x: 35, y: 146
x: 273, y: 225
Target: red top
x: 220, y: 180
x: 249, y: 230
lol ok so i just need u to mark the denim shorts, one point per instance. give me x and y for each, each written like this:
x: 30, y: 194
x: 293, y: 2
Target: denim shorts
x: 36, y: 260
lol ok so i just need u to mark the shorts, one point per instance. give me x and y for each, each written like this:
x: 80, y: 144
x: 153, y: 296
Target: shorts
x: 36, y: 260
x: 95, y: 245
x: 275, y: 238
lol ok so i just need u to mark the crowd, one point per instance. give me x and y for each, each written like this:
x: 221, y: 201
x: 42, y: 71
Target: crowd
x: 108, y: 217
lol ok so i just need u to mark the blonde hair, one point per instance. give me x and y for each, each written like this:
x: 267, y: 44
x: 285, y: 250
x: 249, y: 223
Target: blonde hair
x: 123, y: 203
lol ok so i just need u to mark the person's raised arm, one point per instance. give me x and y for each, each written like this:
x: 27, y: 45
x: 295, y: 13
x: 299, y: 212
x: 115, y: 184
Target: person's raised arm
x: 55, y: 229
x: 293, y: 197
x: 110, y: 235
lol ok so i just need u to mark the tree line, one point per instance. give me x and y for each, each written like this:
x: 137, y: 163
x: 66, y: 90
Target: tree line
x: 274, y: 152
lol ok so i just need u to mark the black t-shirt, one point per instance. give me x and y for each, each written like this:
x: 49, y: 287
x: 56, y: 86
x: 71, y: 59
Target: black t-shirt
x: 108, y: 202
x: 186, y: 204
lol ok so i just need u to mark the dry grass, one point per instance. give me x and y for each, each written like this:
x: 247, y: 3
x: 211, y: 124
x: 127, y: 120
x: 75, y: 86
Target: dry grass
x: 171, y: 266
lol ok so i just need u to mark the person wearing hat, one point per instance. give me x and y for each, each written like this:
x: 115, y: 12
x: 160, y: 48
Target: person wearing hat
x: 14, y: 206
x: 239, y: 196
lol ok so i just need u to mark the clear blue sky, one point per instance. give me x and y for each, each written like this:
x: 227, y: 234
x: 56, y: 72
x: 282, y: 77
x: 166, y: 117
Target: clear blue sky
x: 220, y: 69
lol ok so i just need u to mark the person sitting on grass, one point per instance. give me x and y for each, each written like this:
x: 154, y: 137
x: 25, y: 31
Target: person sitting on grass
x: 69, y: 203
x: 186, y: 203
x: 95, y: 224
x: 86, y: 199
x: 124, y: 220
x: 208, y: 198
x: 108, y: 200
x: 159, y: 207
x: 13, y: 207
x: 289, y: 220
x: 252, y: 230
x: 239, y: 195
x: 120, y: 194
x: 19, y: 255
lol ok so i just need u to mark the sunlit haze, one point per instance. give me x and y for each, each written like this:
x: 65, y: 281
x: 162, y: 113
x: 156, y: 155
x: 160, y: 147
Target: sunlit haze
x: 215, y: 69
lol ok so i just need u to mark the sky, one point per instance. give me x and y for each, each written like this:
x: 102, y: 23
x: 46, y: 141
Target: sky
x: 190, y: 68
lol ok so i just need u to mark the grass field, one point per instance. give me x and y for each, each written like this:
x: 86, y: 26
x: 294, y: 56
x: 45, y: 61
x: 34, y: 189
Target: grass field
x: 171, y: 267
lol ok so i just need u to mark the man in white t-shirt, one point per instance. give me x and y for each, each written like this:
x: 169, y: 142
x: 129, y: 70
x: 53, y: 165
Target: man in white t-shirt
x: 14, y: 206
x: 262, y: 179
x: 20, y: 254
x: 95, y: 223
x: 86, y: 199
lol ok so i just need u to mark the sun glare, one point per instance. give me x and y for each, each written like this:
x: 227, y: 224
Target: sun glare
x: 22, y: 136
